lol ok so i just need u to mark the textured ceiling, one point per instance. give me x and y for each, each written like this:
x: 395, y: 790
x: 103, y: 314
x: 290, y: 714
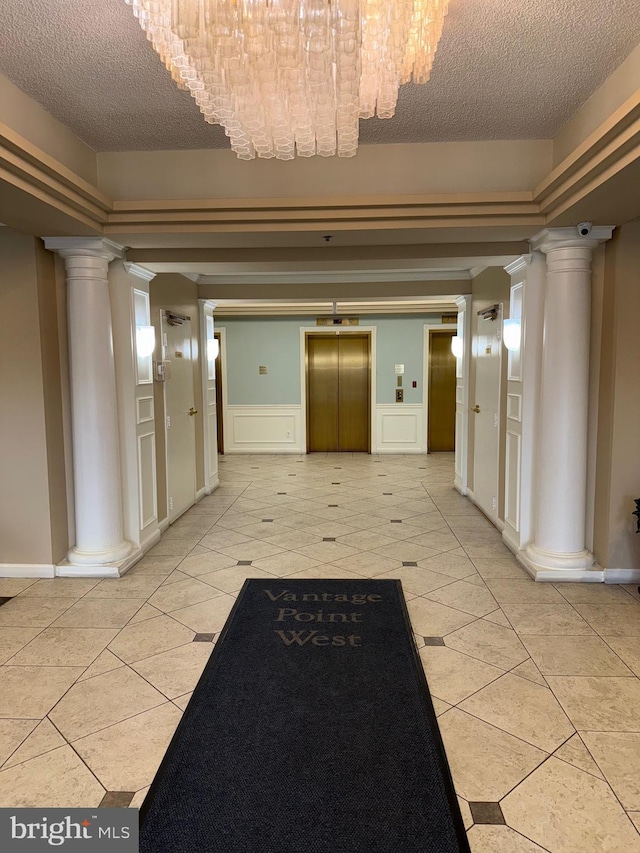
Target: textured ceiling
x: 505, y: 69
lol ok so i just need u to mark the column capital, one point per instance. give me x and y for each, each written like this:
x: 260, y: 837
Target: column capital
x: 84, y: 247
x: 569, y: 238
x: 208, y: 303
x: 140, y: 272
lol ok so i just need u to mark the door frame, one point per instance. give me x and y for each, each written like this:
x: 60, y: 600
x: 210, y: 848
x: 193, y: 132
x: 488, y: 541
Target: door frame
x: 329, y: 330
x: 224, y: 414
x: 428, y: 329
x: 426, y: 360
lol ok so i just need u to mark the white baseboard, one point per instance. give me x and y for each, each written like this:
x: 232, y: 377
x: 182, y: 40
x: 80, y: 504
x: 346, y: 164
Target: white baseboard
x: 622, y: 576
x: 164, y: 525
x: 213, y: 485
x: 201, y: 493
x: 150, y: 540
x: 27, y: 570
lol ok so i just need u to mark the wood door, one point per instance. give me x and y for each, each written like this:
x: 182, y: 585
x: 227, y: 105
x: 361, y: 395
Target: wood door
x: 442, y: 393
x: 338, y: 393
x: 180, y: 414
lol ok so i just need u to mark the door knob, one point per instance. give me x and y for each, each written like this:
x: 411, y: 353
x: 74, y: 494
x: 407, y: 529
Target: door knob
x: 476, y: 409
x: 193, y: 411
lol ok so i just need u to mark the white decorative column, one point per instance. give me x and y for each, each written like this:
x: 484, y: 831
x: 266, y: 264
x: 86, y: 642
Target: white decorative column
x: 100, y: 548
x: 558, y: 550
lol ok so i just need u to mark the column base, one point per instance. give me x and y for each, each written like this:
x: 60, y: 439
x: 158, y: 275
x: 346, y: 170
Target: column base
x: 560, y: 567
x: 98, y: 567
x: 79, y: 557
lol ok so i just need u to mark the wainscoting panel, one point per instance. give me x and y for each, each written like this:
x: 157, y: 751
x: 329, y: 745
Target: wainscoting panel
x: 147, y: 479
x: 512, y: 482
x: 263, y: 429
x: 400, y: 428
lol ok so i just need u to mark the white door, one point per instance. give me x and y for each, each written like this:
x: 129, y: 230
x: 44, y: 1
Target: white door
x: 180, y: 414
x: 485, y: 411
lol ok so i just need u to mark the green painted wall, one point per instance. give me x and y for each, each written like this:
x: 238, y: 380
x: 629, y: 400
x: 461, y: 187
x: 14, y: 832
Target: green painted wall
x: 275, y: 343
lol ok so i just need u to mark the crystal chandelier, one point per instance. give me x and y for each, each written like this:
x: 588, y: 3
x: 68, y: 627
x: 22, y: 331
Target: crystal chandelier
x: 293, y: 76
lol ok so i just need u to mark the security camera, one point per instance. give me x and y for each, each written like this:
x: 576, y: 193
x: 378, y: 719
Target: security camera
x: 584, y: 228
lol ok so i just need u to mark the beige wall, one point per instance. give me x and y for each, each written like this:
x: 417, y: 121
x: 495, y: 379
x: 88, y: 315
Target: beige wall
x: 491, y: 286
x: 179, y: 294
x: 437, y: 167
x: 618, y: 462
x: 622, y: 84
x: 33, y: 504
x: 26, y: 117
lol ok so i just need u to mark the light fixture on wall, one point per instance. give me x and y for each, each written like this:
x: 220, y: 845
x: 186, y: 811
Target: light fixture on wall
x: 293, y: 76
x: 457, y: 347
x: 213, y: 348
x: 145, y: 341
x: 511, y: 333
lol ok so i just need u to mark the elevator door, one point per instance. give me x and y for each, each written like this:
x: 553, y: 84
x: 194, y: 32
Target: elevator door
x: 338, y: 387
x: 442, y: 392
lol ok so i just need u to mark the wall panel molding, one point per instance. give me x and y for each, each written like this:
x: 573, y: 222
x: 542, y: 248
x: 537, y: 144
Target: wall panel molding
x: 263, y: 429
x: 400, y: 428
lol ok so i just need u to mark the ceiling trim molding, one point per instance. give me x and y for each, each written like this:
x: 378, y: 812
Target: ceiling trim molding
x: 32, y: 170
x: 614, y: 146
x: 246, y: 308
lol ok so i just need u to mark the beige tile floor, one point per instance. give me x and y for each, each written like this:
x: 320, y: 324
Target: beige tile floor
x: 536, y: 685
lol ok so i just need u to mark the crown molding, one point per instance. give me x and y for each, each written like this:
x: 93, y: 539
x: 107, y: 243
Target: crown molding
x: 138, y: 271
x: 519, y: 264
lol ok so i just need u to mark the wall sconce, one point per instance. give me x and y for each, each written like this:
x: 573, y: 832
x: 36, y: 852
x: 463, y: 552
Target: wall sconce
x: 213, y: 349
x: 511, y: 333
x: 457, y: 346
x: 145, y: 341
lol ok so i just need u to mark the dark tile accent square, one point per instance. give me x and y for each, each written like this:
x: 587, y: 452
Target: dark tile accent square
x: 267, y: 520
x: 333, y: 505
x: 254, y: 467
x: 490, y: 813
x: 244, y: 562
x: 335, y: 484
x: 4, y: 599
x: 337, y: 468
x: 204, y: 638
x: 382, y: 475
x: 433, y: 641
x: 291, y: 475
x: 281, y: 493
x: 328, y: 538
x: 387, y: 493
x: 396, y: 521
x: 116, y: 799
x: 422, y: 469
x: 409, y: 563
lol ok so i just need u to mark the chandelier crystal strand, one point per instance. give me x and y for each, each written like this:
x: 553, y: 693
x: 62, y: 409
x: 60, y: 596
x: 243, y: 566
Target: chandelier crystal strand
x: 287, y: 77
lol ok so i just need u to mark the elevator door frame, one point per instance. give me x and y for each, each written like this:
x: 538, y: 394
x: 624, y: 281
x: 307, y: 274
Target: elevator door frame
x: 370, y: 332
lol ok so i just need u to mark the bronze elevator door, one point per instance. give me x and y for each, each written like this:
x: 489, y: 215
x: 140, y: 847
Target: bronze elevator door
x: 338, y: 393
x: 442, y: 392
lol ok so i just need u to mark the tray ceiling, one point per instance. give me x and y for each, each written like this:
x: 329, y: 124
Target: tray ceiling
x: 504, y: 70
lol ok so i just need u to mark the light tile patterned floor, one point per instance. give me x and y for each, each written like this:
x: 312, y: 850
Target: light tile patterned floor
x: 536, y: 685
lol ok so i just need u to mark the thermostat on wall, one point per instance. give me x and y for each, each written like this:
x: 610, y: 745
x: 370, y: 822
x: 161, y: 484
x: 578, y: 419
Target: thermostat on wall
x: 399, y: 369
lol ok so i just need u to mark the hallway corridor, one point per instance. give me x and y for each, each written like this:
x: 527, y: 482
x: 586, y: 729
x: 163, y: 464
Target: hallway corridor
x: 535, y: 685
